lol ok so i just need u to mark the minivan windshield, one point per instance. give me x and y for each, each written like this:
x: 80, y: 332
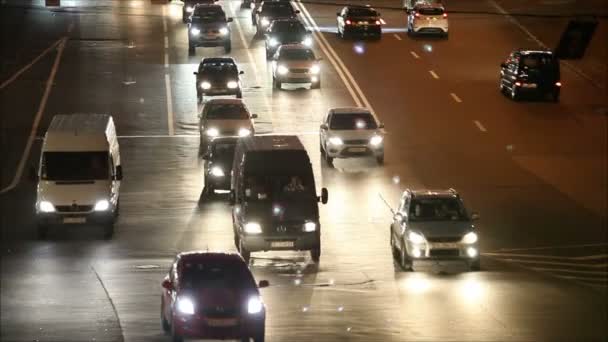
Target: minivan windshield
x: 73, y: 166
x: 279, y: 188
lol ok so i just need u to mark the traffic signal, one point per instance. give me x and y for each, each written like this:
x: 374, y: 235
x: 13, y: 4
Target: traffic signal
x: 575, y: 39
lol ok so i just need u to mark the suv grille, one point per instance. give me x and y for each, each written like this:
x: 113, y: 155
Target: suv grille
x: 73, y: 208
x: 356, y: 142
x: 444, y: 239
x: 298, y: 71
x: 444, y: 252
x: 220, y: 312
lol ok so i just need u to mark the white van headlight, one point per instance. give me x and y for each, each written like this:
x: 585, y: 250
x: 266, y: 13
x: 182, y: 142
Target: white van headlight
x: 335, y: 141
x: 416, y: 238
x: 217, y: 171
x: 282, y: 70
x: 376, y: 140
x: 205, y: 85
x: 253, y: 228
x: 46, y: 207
x: 315, y: 69
x: 224, y: 31
x: 102, y: 205
x: 254, y: 305
x: 307, y: 41
x: 470, y: 238
x: 195, y: 31
x: 232, y: 85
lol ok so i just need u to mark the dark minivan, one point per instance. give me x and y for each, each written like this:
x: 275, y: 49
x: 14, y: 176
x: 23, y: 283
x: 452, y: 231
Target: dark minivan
x: 530, y: 72
x: 274, y: 197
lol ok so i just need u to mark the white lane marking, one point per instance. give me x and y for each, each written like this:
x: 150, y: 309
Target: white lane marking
x: 70, y: 27
x: 561, y: 270
x: 556, y: 263
x: 41, y: 107
x: 396, y: 36
x: 22, y: 70
x: 166, y: 60
x: 155, y: 136
x: 249, y: 55
x: 435, y: 76
x: 415, y: 54
x: 540, y: 256
x: 164, y: 24
x: 169, y: 104
x: 553, y: 247
x: 455, y: 97
x: 323, y: 42
x: 585, y: 279
x: 479, y: 125
x: 166, y: 42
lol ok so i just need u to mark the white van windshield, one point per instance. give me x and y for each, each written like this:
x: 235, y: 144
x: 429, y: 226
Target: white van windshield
x: 74, y: 166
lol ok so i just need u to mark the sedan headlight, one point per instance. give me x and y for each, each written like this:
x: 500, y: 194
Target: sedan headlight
x: 315, y: 69
x: 189, y: 9
x: 416, y: 238
x: 310, y: 227
x: 217, y: 171
x: 205, y: 85
x: 195, y: 31
x: 102, y: 205
x: 185, y: 306
x: 46, y: 207
x: 282, y: 70
x: 307, y: 41
x: 212, y: 132
x: 376, y: 140
x: 224, y: 31
x: 470, y: 238
x: 265, y: 22
x: 253, y: 228
x: 232, y: 85
x: 244, y: 132
x: 335, y: 141
x: 254, y: 305
x: 272, y: 42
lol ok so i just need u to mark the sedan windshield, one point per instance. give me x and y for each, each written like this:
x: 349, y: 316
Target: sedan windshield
x: 75, y: 166
x: 227, y: 111
x: 437, y: 209
x: 352, y: 121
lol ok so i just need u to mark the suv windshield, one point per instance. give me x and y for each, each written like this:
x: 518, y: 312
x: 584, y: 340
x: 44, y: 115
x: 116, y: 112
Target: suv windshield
x: 218, y: 275
x: 227, y: 111
x: 220, y: 68
x: 361, y: 12
x: 209, y: 15
x: 437, y: 209
x: 352, y: 121
x: 74, y: 166
x: 297, y: 55
x: 276, y: 188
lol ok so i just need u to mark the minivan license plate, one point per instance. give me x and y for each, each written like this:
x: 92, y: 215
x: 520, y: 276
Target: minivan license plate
x: 74, y: 220
x: 281, y: 244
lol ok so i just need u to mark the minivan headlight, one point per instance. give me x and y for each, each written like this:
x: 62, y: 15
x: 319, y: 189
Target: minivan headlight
x: 46, y: 207
x: 282, y: 70
x: 185, y: 305
x: 315, y: 69
x: 102, y: 205
x: 307, y: 41
x: 254, y: 305
x: 232, y: 84
x: 272, y: 42
x: 335, y: 141
x: 195, y: 31
x: 253, y: 228
x: 217, y: 171
x: 205, y: 85
x: 470, y: 238
x: 212, y: 132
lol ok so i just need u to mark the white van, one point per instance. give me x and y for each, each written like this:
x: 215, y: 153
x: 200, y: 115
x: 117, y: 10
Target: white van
x: 79, y: 174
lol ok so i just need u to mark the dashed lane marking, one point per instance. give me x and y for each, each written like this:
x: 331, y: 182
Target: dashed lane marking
x: 169, y: 104
x: 479, y: 125
x: 434, y: 74
x: 166, y: 42
x: 455, y: 97
x: 415, y: 55
x: 396, y: 36
x: 166, y: 60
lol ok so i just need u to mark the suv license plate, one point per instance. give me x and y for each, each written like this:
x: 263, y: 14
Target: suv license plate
x: 74, y: 220
x: 281, y: 244
x: 225, y: 322
x: 444, y: 245
x: 356, y: 149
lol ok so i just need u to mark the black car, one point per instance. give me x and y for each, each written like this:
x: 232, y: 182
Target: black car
x: 359, y: 21
x: 189, y: 7
x: 530, y: 72
x: 268, y: 11
x: 218, y: 76
x: 286, y: 31
x: 208, y: 26
x: 218, y: 164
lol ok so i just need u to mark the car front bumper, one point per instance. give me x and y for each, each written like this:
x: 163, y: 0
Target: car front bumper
x: 297, y: 77
x: 442, y: 251
x: 353, y: 151
x: 76, y: 218
x: 207, y: 40
x: 201, y: 327
x: 300, y: 242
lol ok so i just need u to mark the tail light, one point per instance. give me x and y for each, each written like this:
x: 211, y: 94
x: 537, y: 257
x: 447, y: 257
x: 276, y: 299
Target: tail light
x: 518, y: 84
x: 348, y: 22
x: 377, y: 22
x: 445, y: 15
x: 558, y: 84
x: 417, y: 15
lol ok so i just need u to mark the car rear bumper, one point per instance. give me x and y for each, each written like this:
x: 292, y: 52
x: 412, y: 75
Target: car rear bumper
x: 301, y: 242
x: 430, y: 29
x: 363, y: 30
x: 431, y: 251
x: 200, y: 327
x: 219, y: 183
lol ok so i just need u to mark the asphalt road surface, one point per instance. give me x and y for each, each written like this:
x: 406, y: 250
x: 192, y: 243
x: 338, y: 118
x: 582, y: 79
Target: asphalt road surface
x: 536, y: 172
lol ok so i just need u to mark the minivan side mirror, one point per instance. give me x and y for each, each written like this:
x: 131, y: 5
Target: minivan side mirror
x: 474, y: 216
x: 324, y: 195
x: 503, y: 65
x: 118, y: 175
x: 33, y: 175
x: 263, y: 283
x: 167, y: 284
x: 229, y: 20
x: 254, y: 116
x: 324, y: 126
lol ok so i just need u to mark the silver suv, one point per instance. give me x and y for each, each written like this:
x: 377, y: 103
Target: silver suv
x: 433, y: 227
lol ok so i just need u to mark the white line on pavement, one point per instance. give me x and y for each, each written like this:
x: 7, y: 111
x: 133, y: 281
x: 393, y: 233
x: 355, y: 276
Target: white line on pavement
x: 169, y: 104
x: 22, y: 70
x: 560, y: 270
x: 455, y: 97
x: 544, y: 262
x: 553, y: 247
x: 41, y: 107
x: 166, y: 42
x: 479, y: 125
x: 540, y: 256
x: 415, y: 54
x: 396, y: 36
x: 435, y: 76
x: 166, y: 60
x: 155, y: 136
x: 244, y: 41
x: 70, y: 27
x: 164, y: 24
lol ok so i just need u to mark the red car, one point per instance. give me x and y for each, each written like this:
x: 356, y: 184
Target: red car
x: 212, y: 296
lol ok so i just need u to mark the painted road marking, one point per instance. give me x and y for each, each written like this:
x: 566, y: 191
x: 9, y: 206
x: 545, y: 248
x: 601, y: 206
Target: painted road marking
x: 26, y: 67
x: 435, y: 76
x: 244, y: 41
x: 169, y: 104
x: 70, y: 27
x: 166, y: 60
x: 554, y: 247
x: 455, y: 97
x: 41, y: 107
x: 479, y: 125
x: 540, y: 256
x: 415, y: 54
x: 166, y: 42
x: 396, y: 36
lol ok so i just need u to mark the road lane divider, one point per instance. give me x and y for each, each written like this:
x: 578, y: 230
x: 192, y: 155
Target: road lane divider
x: 479, y: 125
x: 30, y: 64
x: 169, y: 104
x: 415, y: 55
x: 455, y: 97
x: 47, y: 90
x: 434, y: 74
x: 396, y: 36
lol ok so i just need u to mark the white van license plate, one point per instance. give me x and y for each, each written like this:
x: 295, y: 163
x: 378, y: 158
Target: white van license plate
x: 74, y: 220
x: 281, y: 244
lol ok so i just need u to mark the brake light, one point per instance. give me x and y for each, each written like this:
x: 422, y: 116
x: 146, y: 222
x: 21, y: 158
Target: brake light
x: 377, y: 22
x: 445, y: 15
x: 558, y: 84
x: 417, y: 15
x: 348, y: 22
x: 518, y: 84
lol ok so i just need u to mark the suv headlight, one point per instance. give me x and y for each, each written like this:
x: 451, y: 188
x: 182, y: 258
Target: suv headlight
x: 195, y: 31
x: 244, y: 132
x: 416, y: 238
x: 217, y: 171
x: 376, y: 140
x: 224, y: 31
x: 272, y: 42
x: 102, y: 205
x: 282, y: 70
x: 307, y: 41
x: 232, y: 84
x: 310, y: 227
x: 470, y: 238
x: 185, y: 305
x: 335, y: 141
x: 253, y: 228
x: 46, y: 207
x: 205, y: 85
x: 265, y: 22
x: 315, y: 69
x: 254, y: 305
x: 212, y: 132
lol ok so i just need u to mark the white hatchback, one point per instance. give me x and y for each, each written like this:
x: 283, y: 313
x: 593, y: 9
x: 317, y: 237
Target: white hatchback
x: 427, y: 18
x: 351, y: 132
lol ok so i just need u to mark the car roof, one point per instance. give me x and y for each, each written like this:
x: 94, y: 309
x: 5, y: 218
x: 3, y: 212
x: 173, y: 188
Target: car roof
x: 534, y: 52
x: 420, y: 5
x: 204, y: 7
x: 360, y: 7
x: 349, y: 110
x: 209, y: 256
x: 434, y: 193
